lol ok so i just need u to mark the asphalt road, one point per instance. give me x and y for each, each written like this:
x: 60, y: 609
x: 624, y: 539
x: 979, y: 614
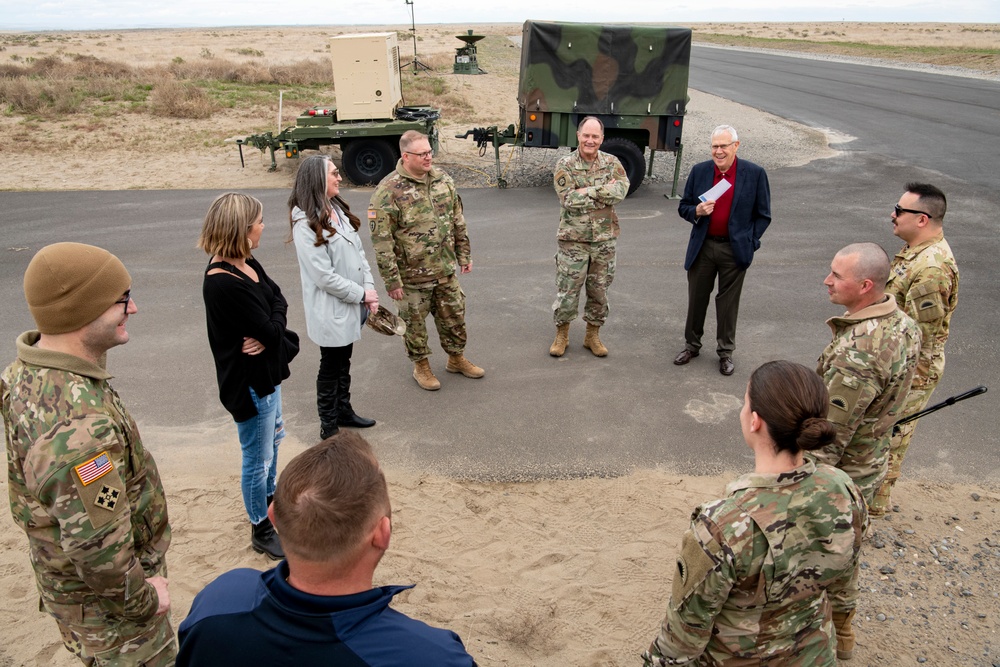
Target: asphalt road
x: 533, y: 415
x: 947, y: 123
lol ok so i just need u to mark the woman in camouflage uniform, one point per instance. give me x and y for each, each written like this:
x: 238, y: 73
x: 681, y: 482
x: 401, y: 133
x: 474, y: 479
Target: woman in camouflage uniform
x: 757, y: 568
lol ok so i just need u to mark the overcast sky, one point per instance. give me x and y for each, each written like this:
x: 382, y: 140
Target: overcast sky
x: 98, y: 14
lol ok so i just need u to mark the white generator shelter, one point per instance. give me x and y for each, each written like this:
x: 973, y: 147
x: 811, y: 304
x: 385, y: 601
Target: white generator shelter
x: 366, y: 75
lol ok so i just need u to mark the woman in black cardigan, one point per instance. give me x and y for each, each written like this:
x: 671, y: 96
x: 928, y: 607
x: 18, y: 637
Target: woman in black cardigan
x: 246, y: 316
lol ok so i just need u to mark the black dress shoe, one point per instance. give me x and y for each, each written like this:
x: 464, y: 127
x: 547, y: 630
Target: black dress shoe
x: 355, y: 421
x: 685, y: 356
x: 726, y: 366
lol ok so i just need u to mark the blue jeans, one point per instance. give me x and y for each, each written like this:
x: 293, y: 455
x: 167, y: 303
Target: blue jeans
x: 259, y: 440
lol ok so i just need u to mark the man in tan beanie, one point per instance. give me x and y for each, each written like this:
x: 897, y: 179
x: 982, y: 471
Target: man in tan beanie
x: 82, y: 486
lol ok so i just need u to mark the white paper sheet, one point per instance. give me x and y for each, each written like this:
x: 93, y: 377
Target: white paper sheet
x: 717, y: 190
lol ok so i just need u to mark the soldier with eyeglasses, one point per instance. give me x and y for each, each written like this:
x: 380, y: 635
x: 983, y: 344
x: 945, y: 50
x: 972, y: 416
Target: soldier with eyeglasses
x: 82, y: 485
x: 421, y: 243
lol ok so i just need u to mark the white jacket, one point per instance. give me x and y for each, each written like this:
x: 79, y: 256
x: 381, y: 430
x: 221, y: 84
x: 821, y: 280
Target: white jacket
x: 334, y: 279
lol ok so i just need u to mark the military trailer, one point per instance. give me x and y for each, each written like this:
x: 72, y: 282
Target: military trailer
x: 369, y: 117
x: 633, y: 78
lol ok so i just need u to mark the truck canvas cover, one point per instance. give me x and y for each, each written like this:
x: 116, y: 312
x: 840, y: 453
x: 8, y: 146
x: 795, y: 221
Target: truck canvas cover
x: 587, y: 68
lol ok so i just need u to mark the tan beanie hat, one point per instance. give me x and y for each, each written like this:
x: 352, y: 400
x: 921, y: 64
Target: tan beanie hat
x: 69, y: 285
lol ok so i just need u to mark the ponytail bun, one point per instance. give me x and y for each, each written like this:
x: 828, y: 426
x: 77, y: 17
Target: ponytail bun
x: 815, y: 433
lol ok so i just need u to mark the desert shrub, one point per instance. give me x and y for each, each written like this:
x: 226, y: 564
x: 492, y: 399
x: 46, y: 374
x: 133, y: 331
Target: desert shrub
x: 302, y: 72
x: 177, y: 99
x: 246, y: 51
x: 22, y: 95
x: 32, y: 96
x: 89, y: 67
x: 68, y: 84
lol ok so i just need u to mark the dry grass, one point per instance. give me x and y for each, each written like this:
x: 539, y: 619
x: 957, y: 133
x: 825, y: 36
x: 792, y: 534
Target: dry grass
x: 178, y: 99
x: 54, y: 86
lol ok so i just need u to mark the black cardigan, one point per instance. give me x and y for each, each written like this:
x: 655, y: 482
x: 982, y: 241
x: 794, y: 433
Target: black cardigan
x: 238, y: 307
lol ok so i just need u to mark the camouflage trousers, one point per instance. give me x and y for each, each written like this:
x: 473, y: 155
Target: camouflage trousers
x: 445, y: 300
x: 865, y: 462
x: 845, y: 600
x: 579, y: 265
x: 916, y: 400
x: 102, y: 640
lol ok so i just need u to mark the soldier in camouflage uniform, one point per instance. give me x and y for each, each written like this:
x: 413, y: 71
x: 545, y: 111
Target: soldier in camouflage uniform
x: 757, y: 569
x: 924, y: 281
x: 867, y: 367
x: 419, y: 235
x: 82, y: 486
x: 589, y: 183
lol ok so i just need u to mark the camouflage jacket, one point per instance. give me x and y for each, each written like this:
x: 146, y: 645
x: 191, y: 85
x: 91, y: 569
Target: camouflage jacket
x: 418, y: 228
x: 754, y: 569
x: 868, y: 368
x: 82, y: 486
x: 590, y: 216
x: 924, y: 280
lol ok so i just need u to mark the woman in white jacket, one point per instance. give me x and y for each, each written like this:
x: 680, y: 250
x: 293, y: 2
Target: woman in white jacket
x: 338, y: 291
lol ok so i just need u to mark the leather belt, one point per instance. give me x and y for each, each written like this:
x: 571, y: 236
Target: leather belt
x: 718, y: 239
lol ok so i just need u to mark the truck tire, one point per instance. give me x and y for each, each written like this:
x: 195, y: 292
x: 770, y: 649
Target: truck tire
x: 630, y: 155
x: 368, y: 161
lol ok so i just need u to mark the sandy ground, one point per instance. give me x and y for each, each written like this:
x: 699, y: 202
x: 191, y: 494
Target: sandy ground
x: 567, y: 572
x: 560, y: 572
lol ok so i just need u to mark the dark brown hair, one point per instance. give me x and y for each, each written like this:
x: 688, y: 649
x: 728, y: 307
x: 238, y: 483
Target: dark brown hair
x: 793, y: 402
x: 309, y: 194
x: 329, y: 498
x: 931, y: 198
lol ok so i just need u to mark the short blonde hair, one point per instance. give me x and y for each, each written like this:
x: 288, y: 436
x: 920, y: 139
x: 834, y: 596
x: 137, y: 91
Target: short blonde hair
x: 409, y: 138
x: 227, y: 223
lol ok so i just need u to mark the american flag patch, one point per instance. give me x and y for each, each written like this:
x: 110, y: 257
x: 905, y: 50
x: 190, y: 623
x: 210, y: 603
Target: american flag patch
x: 95, y: 468
x: 372, y: 214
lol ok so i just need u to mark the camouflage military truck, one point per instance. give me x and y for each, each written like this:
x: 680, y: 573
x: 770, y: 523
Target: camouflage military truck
x: 368, y: 118
x: 634, y: 78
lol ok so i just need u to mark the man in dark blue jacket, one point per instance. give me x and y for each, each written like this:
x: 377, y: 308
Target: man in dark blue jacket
x: 318, y: 607
x: 728, y: 202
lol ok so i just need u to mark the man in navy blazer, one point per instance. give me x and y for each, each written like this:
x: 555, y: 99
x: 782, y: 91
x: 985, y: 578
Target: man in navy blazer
x: 727, y: 225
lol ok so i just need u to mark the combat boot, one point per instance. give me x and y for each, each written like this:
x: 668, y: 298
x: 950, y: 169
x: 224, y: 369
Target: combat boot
x: 558, y: 348
x: 265, y: 541
x: 424, y: 376
x: 457, y: 363
x: 881, y: 503
x: 592, y: 341
x: 845, y: 634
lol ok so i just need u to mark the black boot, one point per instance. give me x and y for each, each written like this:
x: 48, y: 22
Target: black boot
x: 345, y: 412
x: 328, y: 407
x: 265, y: 541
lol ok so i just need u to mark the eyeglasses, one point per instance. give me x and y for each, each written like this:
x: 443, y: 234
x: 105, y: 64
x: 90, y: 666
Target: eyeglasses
x: 423, y: 155
x: 124, y: 300
x: 722, y: 147
x: 898, y: 210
